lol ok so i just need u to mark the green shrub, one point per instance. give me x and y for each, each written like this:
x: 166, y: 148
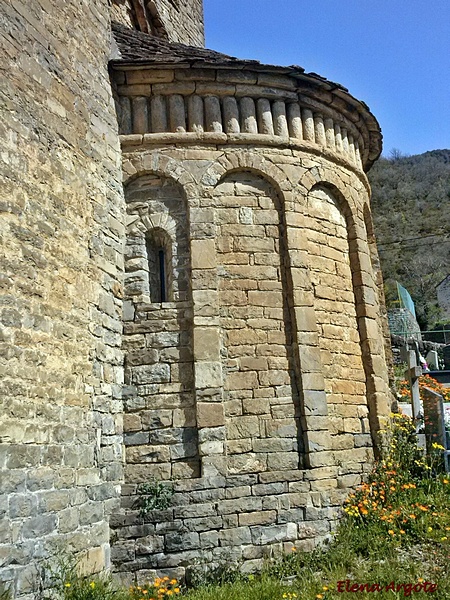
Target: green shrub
x: 155, y: 495
x: 62, y: 581
x: 202, y: 574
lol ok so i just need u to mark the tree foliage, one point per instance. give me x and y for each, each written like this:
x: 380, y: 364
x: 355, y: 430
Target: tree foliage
x: 411, y: 213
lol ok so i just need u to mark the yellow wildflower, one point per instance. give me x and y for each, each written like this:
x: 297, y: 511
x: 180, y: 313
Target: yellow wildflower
x: 437, y: 446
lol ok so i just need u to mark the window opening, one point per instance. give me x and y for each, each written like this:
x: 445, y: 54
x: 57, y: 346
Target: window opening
x: 162, y: 275
x: 159, y: 260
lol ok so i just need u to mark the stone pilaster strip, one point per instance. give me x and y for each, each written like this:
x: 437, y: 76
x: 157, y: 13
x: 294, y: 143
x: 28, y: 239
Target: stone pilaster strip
x: 206, y: 348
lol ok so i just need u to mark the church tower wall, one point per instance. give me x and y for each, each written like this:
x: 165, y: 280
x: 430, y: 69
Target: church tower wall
x: 173, y: 20
x: 183, y: 20
x: 62, y: 230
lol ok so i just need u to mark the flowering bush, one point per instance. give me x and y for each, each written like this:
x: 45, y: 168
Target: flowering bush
x: 396, y: 495
x: 161, y: 588
x: 404, y: 392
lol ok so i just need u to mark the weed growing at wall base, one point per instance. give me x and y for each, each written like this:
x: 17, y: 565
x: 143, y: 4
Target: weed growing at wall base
x: 5, y: 593
x: 60, y: 580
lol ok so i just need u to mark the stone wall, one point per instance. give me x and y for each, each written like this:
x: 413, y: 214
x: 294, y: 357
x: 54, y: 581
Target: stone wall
x: 403, y: 322
x: 123, y: 11
x: 175, y: 20
x: 160, y: 414
x: 62, y: 229
x: 335, y: 308
x: 287, y: 351
x: 261, y: 388
x: 183, y: 20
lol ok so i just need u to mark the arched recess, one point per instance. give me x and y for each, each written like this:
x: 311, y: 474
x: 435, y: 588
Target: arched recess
x: 156, y: 255
x: 260, y: 368
x: 252, y: 162
x: 160, y: 415
x: 379, y: 288
x: 335, y: 266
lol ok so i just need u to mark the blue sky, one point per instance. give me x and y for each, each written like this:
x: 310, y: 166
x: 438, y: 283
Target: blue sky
x: 393, y: 54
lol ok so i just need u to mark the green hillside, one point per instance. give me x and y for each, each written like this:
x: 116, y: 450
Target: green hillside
x: 411, y: 212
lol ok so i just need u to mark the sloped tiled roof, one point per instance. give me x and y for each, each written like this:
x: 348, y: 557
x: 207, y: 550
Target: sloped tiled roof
x: 137, y: 47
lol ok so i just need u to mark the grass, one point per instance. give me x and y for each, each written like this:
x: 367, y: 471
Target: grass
x: 393, y: 542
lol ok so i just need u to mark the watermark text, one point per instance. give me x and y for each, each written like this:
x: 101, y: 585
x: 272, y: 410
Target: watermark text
x: 406, y: 588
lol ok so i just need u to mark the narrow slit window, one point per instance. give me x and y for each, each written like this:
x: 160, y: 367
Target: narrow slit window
x: 159, y: 261
x: 162, y: 275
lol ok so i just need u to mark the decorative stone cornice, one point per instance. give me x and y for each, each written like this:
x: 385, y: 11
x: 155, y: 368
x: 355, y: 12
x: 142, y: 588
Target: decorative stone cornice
x: 179, y: 90
x: 168, y: 104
